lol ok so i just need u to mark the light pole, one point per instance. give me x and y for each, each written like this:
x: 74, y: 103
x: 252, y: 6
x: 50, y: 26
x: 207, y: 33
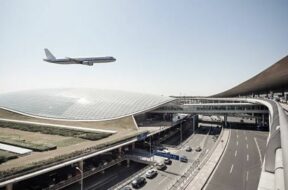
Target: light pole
x: 77, y: 168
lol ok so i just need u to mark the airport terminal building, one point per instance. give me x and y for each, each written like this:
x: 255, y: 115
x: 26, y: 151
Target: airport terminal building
x: 62, y: 126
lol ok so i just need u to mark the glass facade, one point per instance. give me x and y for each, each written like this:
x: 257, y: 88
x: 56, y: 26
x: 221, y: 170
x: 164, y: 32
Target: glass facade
x: 80, y: 104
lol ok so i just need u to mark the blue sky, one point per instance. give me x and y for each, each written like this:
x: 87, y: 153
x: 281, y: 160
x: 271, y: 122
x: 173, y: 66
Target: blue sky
x: 165, y: 47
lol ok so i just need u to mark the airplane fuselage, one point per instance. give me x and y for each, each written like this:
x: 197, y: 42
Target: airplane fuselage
x: 74, y: 60
x: 84, y: 61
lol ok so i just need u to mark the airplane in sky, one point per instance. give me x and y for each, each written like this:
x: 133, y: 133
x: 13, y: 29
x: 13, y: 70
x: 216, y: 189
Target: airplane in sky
x: 84, y: 61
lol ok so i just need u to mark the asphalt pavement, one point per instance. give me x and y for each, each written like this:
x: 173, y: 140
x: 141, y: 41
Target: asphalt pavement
x: 111, y: 177
x: 240, y: 166
x: 167, y: 178
x: 164, y: 179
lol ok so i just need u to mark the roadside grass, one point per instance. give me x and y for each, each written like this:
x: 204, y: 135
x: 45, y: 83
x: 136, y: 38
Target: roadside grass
x: 26, y: 144
x: 55, y: 131
x: 5, y: 156
x: 61, y: 158
x: 68, y: 142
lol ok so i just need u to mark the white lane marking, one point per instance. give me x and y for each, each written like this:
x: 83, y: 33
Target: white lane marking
x: 247, y: 146
x: 246, y: 138
x: 231, y: 169
x: 247, y: 175
x: 237, y: 143
x: 260, y: 156
x: 247, y: 157
x: 163, y: 180
x: 235, y: 153
x: 237, y: 136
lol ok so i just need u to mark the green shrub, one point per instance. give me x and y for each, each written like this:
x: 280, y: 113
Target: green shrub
x: 29, y: 145
x: 55, y: 130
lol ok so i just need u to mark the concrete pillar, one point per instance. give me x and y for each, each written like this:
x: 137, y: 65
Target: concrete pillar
x: 119, y: 151
x: 195, y: 122
x: 9, y: 186
x: 128, y: 163
x: 181, y: 132
x: 81, y: 165
x: 225, y: 120
x: 272, y: 94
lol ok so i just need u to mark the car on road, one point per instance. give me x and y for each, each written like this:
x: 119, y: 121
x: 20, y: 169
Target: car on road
x: 161, y: 148
x: 138, y: 182
x: 161, y: 166
x: 188, y: 149
x: 198, y: 149
x: 183, y: 159
x: 167, y: 161
x: 166, y: 151
x: 151, y: 173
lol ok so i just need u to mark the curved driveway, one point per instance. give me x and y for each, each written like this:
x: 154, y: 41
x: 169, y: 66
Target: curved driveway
x: 241, y: 163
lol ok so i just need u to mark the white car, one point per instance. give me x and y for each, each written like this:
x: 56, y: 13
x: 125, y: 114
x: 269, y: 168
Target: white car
x: 151, y: 173
x: 188, y: 149
x: 166, y: 151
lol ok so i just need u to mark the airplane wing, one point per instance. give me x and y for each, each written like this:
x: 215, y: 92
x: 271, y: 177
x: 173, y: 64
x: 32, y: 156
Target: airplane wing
x: 74, y: 60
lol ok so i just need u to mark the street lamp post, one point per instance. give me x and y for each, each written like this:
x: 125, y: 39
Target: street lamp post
x: 77, y: 168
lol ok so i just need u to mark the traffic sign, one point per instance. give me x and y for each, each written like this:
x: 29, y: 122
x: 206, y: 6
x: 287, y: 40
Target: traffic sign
x: 167, y: 155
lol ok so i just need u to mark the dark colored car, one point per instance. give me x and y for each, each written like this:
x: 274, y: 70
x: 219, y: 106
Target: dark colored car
x: 198, y: 149
x: 138, y: 182
x: 183, y: 159
x: 167, y: 161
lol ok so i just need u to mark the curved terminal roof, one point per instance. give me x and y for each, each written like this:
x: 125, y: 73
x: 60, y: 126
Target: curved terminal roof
x: 274, y: 78
x: 80, y: 104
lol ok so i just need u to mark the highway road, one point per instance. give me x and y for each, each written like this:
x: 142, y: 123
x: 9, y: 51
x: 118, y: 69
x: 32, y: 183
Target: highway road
x: 164, y: 179
x: 168, y: 177
x: 240, y: 166
x: 108, y: 179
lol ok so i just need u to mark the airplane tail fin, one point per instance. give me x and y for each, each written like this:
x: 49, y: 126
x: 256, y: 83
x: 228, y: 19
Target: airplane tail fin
x: 49, y: 55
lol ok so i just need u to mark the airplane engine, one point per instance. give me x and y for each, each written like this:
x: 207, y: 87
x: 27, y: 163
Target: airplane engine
x: 89, y: 63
